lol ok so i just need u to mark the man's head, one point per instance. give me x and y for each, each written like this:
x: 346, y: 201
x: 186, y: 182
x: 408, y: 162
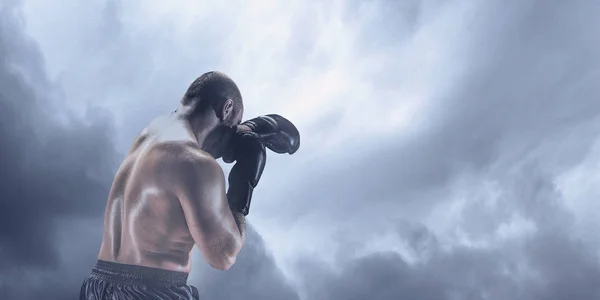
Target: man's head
x: 213, y: 105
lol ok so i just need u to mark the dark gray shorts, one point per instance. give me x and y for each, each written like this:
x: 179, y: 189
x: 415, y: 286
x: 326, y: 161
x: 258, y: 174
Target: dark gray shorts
x: 114, y: 281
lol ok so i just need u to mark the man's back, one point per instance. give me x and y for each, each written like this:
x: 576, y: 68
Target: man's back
x: 169, y: 194
x: 144, y: 221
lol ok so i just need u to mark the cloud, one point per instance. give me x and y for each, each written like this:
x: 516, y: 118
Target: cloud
x: 548, y: 261
x: 51, y: 169
x: 55, y: 167
x: 483, y: 177
x: 514, y: 104
x: 482, y: 173
x: 448, y: 152
x: 461, y: 274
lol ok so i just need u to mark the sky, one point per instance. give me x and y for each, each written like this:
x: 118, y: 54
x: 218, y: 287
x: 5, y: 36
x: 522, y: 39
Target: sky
x: 450, y: 149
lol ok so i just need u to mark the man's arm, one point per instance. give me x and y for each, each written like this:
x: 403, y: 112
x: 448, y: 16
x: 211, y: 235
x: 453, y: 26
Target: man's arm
x: 218, y: 232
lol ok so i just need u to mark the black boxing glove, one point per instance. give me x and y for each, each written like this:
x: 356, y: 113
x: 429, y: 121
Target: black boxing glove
x: 277, y: 132
x: 250, y: 156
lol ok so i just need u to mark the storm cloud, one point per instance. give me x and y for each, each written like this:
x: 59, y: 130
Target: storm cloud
x: 53, y: 164
x: 450, y: 153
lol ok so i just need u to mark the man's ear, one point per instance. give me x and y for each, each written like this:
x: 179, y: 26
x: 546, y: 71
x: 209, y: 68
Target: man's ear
x: 227, y: 110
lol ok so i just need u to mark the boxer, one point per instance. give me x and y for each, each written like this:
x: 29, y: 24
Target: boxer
x: 169, y: 194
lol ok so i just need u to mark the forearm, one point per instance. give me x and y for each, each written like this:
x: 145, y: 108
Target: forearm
x: 223, y: 256
x: 236, y: 197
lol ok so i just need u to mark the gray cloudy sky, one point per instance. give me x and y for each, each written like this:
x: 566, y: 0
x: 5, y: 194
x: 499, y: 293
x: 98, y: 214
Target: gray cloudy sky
x: 449, y: 148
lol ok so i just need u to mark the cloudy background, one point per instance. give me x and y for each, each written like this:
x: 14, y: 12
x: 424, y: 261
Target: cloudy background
x: 450, y: 149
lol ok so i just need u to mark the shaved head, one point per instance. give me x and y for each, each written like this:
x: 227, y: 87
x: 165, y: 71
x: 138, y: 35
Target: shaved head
x: 212, y: 90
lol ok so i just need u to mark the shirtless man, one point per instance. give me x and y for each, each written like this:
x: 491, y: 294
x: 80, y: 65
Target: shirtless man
x: 169, y: 194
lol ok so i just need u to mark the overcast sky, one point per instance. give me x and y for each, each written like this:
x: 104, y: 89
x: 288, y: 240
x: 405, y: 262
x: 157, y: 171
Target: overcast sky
x: 450, y: 149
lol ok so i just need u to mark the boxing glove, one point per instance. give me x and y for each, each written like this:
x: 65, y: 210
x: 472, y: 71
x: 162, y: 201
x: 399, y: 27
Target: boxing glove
x: 277, y: 133
x: 250, y: 156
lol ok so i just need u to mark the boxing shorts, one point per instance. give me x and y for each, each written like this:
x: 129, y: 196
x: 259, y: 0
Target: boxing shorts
x: 115, y: 281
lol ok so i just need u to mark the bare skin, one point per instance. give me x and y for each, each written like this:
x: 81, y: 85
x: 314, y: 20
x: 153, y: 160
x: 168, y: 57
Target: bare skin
x: 169, y: 195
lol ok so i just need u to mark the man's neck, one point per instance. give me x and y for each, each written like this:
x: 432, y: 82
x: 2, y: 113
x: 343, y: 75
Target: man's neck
x: 197, y: 127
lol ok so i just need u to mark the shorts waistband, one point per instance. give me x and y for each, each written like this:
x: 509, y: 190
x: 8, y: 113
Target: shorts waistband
x: 132, y: 274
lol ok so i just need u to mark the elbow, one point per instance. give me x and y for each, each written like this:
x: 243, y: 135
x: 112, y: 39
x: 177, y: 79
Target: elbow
x: 223, y: 257
x: 226, y: 257
x: 224, y: 263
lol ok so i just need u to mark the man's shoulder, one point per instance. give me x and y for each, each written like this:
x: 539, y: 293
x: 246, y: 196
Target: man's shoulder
x: 185, y: 157
x: 184, y: 151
